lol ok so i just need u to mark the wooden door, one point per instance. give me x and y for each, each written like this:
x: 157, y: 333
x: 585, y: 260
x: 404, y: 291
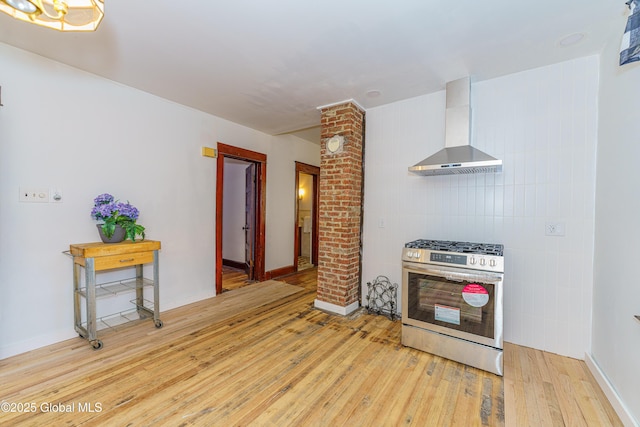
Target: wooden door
x: 250, y: 220
x: 260, y: 162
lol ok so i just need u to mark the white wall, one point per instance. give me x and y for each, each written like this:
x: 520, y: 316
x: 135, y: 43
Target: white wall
x: 281, y: 190
x: 86, y: 135
x: 542, y: 124
x: 616, y: 333
x: 305, y: 209
x: 306, y: 183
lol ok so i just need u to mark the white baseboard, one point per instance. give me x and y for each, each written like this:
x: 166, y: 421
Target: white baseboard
x: 620, y: 408
x: 327, y: 306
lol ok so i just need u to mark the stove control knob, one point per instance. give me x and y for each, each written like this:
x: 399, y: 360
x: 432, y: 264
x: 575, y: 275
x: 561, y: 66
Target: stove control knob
x: 472, y: 261
x: 482, y: 261
x: 492, y: 262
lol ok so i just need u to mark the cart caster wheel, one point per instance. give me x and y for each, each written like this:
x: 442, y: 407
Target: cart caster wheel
x: 159, y: 324
x: 97, y: 344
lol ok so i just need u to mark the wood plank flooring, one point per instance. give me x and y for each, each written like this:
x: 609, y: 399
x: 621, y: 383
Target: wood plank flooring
x: 248, y: 359
x: 545, y: 389
x: 234, y: 278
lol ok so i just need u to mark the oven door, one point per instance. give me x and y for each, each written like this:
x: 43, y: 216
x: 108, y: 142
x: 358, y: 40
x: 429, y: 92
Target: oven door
x: 454, y: 301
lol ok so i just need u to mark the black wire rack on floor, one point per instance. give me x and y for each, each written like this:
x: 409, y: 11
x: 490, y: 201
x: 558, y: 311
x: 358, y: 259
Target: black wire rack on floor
x: 382, y: 298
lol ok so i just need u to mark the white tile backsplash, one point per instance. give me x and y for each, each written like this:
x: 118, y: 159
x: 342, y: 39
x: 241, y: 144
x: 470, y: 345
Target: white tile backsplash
x: 542, y: 124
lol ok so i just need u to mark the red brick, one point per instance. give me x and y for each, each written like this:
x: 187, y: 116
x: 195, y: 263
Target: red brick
x: 340, y: 206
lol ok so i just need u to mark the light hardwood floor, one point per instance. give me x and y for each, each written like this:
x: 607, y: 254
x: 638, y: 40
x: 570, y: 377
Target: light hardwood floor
x: 234, y: 278
x: 265, y: 357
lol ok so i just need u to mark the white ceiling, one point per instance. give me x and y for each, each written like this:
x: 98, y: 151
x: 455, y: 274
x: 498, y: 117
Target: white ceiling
x: 270, y: 64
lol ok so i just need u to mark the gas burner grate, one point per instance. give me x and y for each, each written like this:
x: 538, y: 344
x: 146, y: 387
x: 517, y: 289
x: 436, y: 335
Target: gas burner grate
x: 461, y: 247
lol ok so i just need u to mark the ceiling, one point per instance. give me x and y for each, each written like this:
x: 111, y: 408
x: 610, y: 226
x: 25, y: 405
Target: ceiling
x: 270, y: 64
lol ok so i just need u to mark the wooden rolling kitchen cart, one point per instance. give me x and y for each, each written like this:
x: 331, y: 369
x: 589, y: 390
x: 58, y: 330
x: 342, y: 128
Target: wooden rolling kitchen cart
x: 97, y: 257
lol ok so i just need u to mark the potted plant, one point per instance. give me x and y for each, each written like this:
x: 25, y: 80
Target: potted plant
x: 119, y: 219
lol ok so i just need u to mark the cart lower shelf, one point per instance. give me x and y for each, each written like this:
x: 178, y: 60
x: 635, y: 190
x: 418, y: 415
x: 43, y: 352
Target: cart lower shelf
x: 114, y: 321
x: 117, y: 287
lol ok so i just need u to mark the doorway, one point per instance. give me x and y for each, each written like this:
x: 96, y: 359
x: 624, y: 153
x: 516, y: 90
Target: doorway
x: 306, y: 219
x: 246, y: 170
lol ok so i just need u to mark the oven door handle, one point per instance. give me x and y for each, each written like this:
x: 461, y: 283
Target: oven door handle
x: 467, y: 275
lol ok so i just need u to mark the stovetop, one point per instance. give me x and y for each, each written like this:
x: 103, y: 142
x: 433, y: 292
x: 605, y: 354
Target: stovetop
x: 476, y: 256
x: 460, y: 247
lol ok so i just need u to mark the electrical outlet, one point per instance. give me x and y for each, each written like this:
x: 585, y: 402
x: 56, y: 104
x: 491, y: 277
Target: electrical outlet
x: 554, y: 229
x: 34, y: 195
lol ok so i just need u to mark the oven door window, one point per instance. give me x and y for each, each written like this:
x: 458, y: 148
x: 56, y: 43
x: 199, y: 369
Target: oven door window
x: 463, y: 306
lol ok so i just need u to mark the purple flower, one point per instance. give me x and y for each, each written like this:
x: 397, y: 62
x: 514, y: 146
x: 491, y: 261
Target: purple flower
x: 128, y: 211
x: 113, y: 212
x: 106, y: 208
x: 103, y: 211
x: 103, y: 199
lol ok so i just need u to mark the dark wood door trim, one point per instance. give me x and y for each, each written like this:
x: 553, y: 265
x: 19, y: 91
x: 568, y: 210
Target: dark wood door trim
x: 315, y: 172
x: 260, y: 161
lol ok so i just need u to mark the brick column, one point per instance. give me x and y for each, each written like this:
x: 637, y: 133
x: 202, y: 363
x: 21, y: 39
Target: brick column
x: 340, y: 209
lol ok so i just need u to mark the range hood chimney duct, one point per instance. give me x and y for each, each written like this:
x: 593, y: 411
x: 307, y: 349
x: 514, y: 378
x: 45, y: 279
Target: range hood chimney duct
x: 458, y: 156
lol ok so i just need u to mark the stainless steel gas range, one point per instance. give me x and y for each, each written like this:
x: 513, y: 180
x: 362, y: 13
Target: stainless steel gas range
x: 452, y: 301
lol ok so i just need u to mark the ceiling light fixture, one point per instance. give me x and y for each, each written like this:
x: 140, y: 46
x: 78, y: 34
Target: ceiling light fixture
x: 61, y: 15
x: 571, y: 39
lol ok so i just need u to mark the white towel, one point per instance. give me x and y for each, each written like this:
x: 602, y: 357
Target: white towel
x: 306, y: 224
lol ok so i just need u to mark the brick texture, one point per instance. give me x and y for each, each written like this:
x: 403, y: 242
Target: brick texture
x: 340, y: 207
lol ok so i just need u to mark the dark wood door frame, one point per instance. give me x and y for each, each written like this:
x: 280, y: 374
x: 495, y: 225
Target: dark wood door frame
x: 315, y: 172
x: 260, y: 160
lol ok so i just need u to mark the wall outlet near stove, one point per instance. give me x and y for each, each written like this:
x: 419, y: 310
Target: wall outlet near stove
x: 554, y: 229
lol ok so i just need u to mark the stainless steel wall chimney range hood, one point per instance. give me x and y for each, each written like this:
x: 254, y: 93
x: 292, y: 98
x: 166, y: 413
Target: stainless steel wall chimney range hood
x: 458, y: 156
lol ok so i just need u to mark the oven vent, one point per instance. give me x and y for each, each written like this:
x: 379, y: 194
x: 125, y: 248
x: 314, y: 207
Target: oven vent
x: 458, y: 156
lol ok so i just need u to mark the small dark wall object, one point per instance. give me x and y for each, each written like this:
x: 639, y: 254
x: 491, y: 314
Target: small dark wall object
x: 382, y: 297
